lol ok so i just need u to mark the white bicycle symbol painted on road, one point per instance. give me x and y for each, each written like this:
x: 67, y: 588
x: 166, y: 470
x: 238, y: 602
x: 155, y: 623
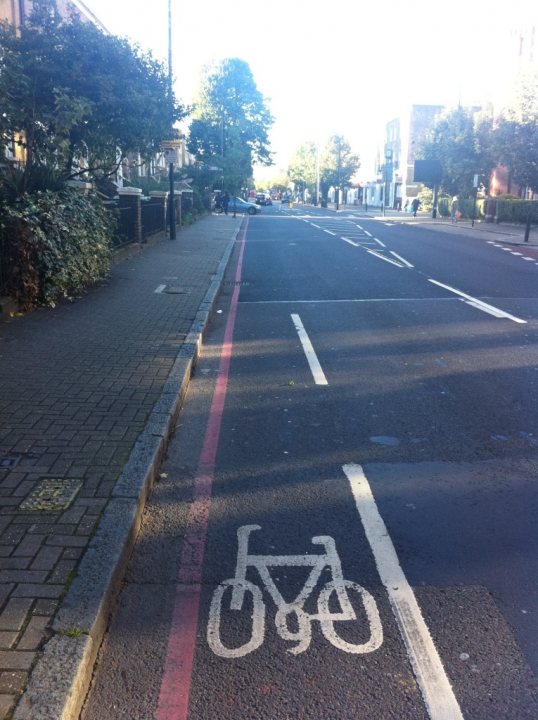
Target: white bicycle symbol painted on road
x: 303, y: 620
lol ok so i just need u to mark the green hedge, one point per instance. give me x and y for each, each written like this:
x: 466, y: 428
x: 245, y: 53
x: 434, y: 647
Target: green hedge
x: 54, y: 244
x: 516, y: 211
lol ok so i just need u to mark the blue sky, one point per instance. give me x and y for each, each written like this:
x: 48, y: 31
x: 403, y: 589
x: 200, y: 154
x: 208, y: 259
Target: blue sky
x: 347, y: 69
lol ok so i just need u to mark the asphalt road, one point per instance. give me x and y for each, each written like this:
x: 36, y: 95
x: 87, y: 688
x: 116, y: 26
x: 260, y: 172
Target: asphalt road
x: 345, y: 526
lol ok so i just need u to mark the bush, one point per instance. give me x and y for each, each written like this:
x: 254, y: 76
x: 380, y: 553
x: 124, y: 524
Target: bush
x: 54, y: 244
x: 516, y: 211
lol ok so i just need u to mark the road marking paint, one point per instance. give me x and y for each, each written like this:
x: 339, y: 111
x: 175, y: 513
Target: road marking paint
x: 379, y: 242
x: 365, y: 231
x: 439, y: 698
x: 479, y: 304
x: 515, y: 253
x: 382, y: 257
x: 506, y: 249
x: 316, y: 226
x: 329, y: 232
x: 351, y: 242
x: 315, y: 367
x: 527, y: 258
x: 177, y: 674
x: 159, y: 289
x: 399, y: 257
x: 318, y: 565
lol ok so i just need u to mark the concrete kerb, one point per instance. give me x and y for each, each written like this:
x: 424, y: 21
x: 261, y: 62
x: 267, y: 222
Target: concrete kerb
x: 61, y: 677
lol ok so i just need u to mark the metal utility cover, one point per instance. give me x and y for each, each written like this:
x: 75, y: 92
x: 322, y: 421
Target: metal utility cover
x: 51, y: 494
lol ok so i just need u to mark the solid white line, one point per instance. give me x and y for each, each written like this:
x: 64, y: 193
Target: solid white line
x: 382, y: 257
x: 479, y: 304
x: 315, y: 367
x: 441, y: 704
x: 159, y: 289
x: 399, y: 257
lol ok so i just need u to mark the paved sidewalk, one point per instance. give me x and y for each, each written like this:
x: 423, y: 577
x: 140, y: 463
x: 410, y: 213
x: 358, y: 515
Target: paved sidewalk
x: 89, y: 392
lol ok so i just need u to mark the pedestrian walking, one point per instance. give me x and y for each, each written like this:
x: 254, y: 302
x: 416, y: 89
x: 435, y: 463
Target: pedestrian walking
x: 415, y: 206
x: 225, y: 201
x: 455, y: 210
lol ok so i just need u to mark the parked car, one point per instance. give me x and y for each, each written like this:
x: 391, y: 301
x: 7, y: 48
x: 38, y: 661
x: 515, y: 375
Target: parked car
x: 242, y: 206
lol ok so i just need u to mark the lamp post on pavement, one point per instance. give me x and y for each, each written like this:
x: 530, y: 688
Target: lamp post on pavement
x: 388, y: 176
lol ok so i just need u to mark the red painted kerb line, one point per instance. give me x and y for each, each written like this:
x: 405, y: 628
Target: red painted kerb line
x: 176, y: 682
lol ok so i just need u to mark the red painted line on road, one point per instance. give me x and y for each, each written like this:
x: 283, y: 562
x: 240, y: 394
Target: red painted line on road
x: 177, y: 675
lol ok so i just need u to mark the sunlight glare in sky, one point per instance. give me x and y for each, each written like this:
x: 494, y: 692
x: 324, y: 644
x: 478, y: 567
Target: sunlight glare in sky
x: 347, y: 69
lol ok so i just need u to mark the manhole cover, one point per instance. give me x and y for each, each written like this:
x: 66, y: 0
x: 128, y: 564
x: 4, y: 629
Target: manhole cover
x: 8, y: 462
x: 51, y: 494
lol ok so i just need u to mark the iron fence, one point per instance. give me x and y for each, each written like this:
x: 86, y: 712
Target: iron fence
x: 153, y: 217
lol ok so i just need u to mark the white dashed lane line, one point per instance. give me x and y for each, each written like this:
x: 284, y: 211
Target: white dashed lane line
x: 315, y: 367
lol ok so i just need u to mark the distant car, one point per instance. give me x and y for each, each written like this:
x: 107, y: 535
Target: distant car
x: 242, y: 206
x: 263, y: 199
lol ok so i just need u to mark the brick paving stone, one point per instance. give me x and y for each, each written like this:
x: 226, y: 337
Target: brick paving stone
x: 29, y: 546
x: 7, y: 703
x: 12, y: 682
x: 14, y: 563
x: 14, y: 614
x: 34, y: 634
x: 67, y: 541
x: 34, y: 590
x: 7, y: 639
x: 15, y: 660
x: 45, y: 606
x: 62, y: 571
x: 46, y: 558
x: 24, y: 576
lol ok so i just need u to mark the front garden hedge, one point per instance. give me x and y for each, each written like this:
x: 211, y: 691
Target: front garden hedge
x: 53, y: 245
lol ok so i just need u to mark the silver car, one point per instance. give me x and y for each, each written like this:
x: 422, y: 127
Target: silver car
x: 242, y: 206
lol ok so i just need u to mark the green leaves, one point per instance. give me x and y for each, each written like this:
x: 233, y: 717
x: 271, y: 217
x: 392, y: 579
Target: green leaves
x: 55, y: 244
x: 231, y: 122
x: 78, y: 93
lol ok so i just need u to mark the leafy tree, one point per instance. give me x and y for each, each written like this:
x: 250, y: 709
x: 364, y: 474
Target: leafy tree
x: 302, y: 167
x: 461, y: 141
x: 78, y: 93
x: 231, y: 122
x: 515, y: 136
x: 338, y: 164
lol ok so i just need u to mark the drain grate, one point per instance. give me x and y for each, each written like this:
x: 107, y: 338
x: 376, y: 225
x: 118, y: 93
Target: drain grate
x: 51, y: 494
x: 8, y: 462
x: 236, y: 283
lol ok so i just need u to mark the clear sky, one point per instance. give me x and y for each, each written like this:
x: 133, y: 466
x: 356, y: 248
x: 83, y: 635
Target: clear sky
x: 346, y: 69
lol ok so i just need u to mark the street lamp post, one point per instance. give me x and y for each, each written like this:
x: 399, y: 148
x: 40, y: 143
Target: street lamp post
x: 388, y: 175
